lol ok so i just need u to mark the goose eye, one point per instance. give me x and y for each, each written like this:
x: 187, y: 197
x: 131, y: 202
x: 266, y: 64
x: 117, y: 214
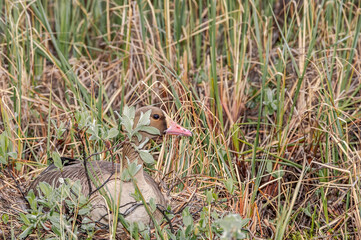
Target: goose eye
x: 156, y: 116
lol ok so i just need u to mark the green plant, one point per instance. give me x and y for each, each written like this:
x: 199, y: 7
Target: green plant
x: 6, y: 148
x: 127, y: 121
x: 270, y: 101
x: 47, y: 211
x: 233, y: 226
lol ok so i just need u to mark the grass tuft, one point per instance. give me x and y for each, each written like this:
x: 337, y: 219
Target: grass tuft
x: 270, y: 90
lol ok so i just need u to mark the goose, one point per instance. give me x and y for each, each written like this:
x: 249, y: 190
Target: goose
x: 121, y: 191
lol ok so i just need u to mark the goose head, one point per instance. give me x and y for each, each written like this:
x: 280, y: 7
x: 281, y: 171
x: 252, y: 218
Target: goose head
x: 161, y: 121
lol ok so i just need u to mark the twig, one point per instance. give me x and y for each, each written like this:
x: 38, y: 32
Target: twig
x: 98, y: 188
x: 163, y: 211
x: 85, y: 162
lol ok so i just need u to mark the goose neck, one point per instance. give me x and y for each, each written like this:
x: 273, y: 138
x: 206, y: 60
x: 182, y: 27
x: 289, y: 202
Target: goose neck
x: 130, y: 154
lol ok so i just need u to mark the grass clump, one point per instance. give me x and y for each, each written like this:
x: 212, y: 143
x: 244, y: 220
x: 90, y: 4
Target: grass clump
x: 269, y: 88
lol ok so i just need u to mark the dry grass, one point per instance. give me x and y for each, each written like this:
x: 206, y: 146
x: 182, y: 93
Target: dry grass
x: 271, y: 92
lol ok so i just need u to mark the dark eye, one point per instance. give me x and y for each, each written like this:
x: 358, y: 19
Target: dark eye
x: 156, y: 116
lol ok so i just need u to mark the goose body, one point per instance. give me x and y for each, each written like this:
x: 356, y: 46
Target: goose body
x: 107, y: 177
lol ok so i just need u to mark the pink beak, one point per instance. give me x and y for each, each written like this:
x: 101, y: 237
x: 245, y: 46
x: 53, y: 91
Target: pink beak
x: 177, y: 130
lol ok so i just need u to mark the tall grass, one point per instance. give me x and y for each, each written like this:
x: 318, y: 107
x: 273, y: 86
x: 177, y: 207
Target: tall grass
x: 270, y: 90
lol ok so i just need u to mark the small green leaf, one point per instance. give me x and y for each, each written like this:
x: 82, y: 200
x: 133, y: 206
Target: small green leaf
x: 84, y: 210
x: 149, y: 129
x: 214, y: 215
x: 307, y: 211
x: 233, y: 225
x: 57, y: 160
x: 146, y: 157
x: 229, y: 185
x: 209, y: 197
x: 187, y: 218
x: 136, y: 195
x: 5, y: 218
x: 59, y: 130
x: 126, y: 110
x: 269, y: 166
x: 113, y: 132
x: 31, y: 199
x: 87, y: 224
x: 278, y: 173
x: 5, y: 148
x: 129, y: 112
x: 141, y: 145
x: 189, y: 229
x: 144, y: 119
x: 127, y: 123
x: 26, y: 232
x: 274, y: 105
x: 24, y: 218
x: 131, y: 170
x: 45, y: 188
x: 56, y: 230
x: 3, y: 160
x: 139, y: 136
x: 125, y: 176
x: 152, y: 205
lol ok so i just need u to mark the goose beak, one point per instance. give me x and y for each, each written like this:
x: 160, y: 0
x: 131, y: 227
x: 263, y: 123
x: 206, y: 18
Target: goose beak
x: 176, y: 130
